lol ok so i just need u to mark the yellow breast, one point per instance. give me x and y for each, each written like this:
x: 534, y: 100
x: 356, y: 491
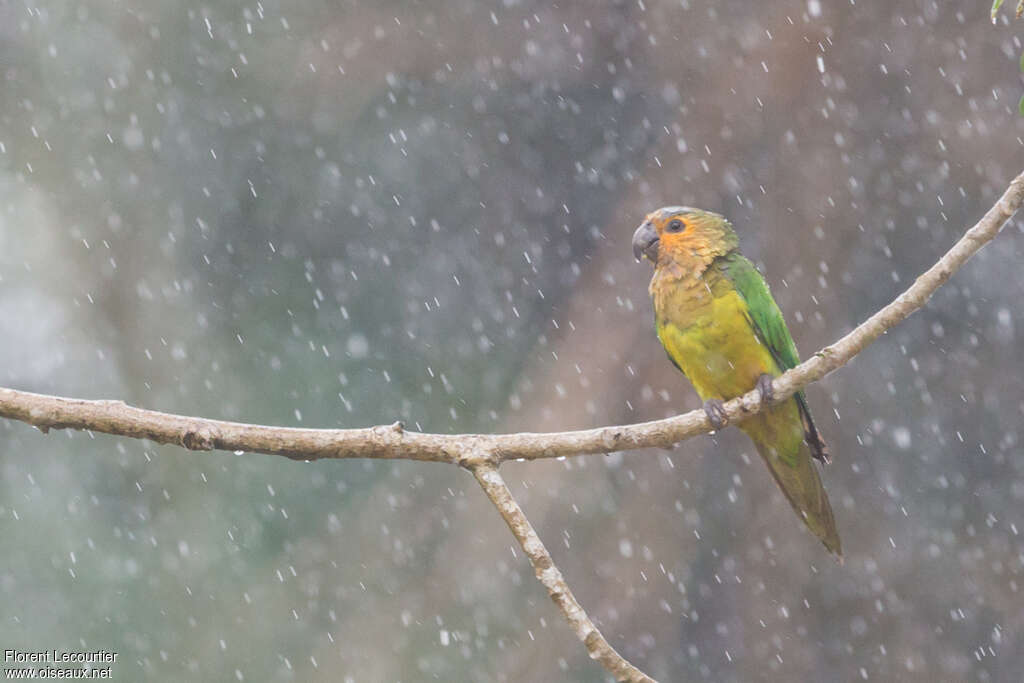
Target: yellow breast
x: 706, y: 332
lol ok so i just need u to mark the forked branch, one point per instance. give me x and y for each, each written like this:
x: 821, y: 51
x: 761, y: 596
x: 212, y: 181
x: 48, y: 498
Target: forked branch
x: 484, y: 453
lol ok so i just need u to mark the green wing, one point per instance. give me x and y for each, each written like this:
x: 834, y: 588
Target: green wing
x: 762, y: 311
x: 770, y: 327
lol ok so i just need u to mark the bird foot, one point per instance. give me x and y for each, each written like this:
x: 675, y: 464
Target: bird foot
x: 715, y: 410
x: 764, y: 385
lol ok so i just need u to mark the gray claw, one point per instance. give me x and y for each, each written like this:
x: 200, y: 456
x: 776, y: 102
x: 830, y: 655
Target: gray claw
x: 715, y: 410
x: 764, y: 385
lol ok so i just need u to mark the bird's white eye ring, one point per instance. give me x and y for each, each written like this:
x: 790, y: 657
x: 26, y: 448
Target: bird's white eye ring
x: 675, y: 225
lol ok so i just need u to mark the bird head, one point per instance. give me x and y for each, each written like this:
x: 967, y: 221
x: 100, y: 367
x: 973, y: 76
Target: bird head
x: 686, y: 237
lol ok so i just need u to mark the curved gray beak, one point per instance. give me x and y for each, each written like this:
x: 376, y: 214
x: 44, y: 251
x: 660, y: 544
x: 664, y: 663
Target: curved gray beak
x: 645, y: 243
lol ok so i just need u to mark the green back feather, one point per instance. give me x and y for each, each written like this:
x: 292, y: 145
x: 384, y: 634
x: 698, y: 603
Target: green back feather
x: 762, y: 311
x: 770, y: 327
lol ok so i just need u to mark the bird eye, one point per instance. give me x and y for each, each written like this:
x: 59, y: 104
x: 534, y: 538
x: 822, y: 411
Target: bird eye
x: 675, y: 225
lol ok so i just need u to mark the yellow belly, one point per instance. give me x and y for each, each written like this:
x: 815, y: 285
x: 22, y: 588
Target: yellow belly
x: 716, y: 347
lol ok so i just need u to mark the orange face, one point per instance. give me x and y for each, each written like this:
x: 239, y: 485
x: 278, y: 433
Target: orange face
x: 682, y: 235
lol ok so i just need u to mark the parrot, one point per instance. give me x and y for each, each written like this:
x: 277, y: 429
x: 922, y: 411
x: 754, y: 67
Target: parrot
x: 720, y: 326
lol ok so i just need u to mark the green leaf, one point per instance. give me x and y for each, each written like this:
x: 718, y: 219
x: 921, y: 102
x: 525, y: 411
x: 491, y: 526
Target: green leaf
x: 996, y: 4
x: 1020, y: 105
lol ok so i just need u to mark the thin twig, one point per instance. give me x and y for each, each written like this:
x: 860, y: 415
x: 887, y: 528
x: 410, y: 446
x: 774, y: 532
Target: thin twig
x: 548, y: 574
x: 392, y: 441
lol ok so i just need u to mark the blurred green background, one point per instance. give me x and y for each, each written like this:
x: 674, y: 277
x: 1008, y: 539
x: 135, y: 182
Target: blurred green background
x: 349, y: 213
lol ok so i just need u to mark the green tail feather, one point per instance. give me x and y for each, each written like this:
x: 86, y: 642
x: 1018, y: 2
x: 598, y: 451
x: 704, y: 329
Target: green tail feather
x: 794, y: 470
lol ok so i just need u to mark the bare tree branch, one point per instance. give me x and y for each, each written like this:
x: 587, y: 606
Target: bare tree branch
x: 549, y: 575
x: 115, y: 417
x: 484, y: 453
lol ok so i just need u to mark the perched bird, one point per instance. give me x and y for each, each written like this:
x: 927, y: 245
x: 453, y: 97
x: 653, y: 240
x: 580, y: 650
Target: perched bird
x: 721, y: 327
